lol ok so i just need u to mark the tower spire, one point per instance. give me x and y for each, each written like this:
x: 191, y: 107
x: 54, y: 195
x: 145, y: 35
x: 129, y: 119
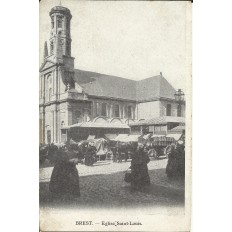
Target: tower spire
x: 45, y: 50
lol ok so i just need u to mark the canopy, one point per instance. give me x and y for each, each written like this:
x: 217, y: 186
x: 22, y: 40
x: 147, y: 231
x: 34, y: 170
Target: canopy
x: 147, y: 136
x: 100, y: 125
x: 121, y: 137
x: 154, y: 136
x: 175, y: 136
x: 100, y: 145
x: 110, y: 136
x: 178, y: 129
x: 91, y: 137
x: 132, y: 138
x: 159, y: 121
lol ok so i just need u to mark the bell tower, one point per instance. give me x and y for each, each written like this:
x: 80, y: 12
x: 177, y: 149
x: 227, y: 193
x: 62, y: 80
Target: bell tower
x: 59, y: 93
x: 60, y: 38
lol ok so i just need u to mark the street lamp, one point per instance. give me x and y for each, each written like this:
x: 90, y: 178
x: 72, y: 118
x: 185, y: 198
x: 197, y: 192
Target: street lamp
x: 179, y: 96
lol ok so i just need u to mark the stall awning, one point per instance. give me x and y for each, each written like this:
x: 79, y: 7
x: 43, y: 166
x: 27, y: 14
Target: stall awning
x: 132, y: 138
x: 178, y: 129
x: 147, y: 136
x: 154, y: 136
x: 100, y: 125
x: 91, y: 137
x: 121, y: 137
x: 159, y: 121
x: 175, y: 136
x: 110, y: 136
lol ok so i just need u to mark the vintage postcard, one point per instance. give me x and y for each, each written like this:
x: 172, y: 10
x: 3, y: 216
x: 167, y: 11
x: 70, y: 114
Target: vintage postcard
x: 115, y: 115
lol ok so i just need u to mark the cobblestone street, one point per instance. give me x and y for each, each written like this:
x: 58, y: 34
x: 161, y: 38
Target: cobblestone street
x: 102, y: 185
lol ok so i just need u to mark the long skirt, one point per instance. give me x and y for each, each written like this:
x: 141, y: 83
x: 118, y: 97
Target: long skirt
x: 65, y: 180
x: 140, y: 177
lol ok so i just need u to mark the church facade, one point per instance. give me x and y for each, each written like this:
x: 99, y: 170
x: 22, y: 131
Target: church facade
x: 70, y: 96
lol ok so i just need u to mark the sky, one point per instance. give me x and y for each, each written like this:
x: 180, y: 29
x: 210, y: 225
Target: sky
x: 134, y: 40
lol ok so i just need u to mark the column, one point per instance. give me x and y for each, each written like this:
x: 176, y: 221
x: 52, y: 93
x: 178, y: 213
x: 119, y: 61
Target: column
x: 133, y: 112
x: 58, y: 82
x: 124, y: 111
x: 111, y: 110
x: 55, y: 125
x: 121, y: 111
x: 40, y: 86
x: 108, y: 110
x: 58, y: 126
x: 43, y: 88
x: 52, y: 126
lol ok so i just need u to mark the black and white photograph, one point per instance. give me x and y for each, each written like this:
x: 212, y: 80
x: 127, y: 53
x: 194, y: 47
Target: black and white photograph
x: 115, y: 115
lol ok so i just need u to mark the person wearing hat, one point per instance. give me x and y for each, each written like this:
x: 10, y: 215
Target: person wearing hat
x: 64, y: 182
x: 139, y: 170
x: 90, y: 154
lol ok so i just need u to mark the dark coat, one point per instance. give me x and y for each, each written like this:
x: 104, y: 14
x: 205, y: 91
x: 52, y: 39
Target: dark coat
x: 90, y: 155
x: 64, y: 179
x: 139, y: 170
x: 176, y: 162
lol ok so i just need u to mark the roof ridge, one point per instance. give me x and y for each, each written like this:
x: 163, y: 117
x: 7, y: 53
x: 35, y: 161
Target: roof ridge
x: 103, y: 74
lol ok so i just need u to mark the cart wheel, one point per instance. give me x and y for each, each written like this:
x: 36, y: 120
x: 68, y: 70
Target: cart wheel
x: 153, y: 153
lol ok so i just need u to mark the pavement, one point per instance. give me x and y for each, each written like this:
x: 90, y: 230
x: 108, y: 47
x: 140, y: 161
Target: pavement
x: 103, y: 186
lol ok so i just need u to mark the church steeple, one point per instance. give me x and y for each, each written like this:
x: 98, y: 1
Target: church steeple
x: 60, y: 40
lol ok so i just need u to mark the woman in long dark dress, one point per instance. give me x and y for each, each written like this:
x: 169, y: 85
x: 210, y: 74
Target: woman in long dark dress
x: 139, y: 169
x: 64, y: 180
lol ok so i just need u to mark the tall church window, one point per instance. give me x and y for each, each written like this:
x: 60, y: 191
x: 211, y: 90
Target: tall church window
x: 67, y: 25
x: 116, y: 110
x: 179, y: 111
x: 168, y: 109
x: 59, y: 22
x: 103, y: 109
x: 129, y: 111
x: 52, y: 22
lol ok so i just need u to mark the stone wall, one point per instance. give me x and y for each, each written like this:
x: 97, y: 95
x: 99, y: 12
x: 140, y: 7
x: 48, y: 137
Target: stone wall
x: 174, y: 106
x: 96, y: 109
x: 148, y: 110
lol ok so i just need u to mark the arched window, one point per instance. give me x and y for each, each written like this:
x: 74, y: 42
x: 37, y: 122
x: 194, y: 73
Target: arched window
x: 129, y: 111
x: 103, y: 109
x: 169, y: 110
x: 52, y: 22
x: 116, y: 110
x: 59, y: 23
x: 67, y: 25
x: 62, y: 124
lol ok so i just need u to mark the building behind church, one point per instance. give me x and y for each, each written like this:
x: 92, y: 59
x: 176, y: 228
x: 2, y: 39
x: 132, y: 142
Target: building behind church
x: 93, y: 102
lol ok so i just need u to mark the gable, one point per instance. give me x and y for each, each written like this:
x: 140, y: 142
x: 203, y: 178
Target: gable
x: 46, y: 65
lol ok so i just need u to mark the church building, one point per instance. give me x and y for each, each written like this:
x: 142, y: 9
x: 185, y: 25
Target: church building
x: 89, y: 101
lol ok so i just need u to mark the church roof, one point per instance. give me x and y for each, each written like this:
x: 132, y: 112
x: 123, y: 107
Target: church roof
x: 154, y: 87
x: 101, y: 85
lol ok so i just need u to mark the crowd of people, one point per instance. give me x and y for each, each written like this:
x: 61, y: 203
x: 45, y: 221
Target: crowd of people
x: 65, y: 178
x: 176, y: 160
